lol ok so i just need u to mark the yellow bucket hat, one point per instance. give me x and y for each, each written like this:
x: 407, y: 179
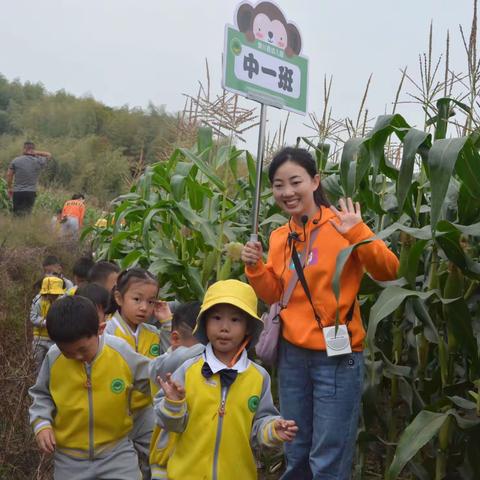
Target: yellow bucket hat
x: 52, y: 286
x: 232, y: 292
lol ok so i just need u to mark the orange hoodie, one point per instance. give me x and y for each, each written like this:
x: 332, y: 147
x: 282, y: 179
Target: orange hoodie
x: 298, y: 321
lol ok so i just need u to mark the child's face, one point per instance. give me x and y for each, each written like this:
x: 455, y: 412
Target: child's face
x: 83, y: 350
x: 56, y: 270
x: 138, y: 302
x: 79, y: 280
x: 50, y: 297
x: 227, y: 327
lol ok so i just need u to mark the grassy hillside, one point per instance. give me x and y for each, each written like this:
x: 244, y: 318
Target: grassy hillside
x: 95, y: 148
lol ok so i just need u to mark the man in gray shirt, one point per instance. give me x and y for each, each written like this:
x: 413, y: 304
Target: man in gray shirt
x: 22, y: 178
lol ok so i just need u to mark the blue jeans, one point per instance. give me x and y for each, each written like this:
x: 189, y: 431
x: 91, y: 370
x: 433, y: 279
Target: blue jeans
x: 322, y: 394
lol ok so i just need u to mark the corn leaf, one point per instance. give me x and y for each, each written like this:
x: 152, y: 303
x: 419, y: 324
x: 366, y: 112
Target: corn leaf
x: 441, y: 160
x: 423, y: 428
x: 411, y: 143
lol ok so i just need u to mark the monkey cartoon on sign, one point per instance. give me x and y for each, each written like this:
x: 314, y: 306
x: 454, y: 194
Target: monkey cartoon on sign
x: 266, y: 22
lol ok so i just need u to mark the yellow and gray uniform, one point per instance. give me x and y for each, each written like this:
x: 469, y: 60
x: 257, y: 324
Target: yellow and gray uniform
x: 88, y: 408
x: 145, y: 341
x: 163, y: 442
x: 41, y: 341
x: 217, y: 425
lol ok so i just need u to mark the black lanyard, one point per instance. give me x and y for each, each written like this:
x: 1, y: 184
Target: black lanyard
x: 303, y: 281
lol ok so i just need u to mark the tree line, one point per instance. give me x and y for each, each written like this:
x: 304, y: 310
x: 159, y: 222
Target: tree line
x: 96, y: 148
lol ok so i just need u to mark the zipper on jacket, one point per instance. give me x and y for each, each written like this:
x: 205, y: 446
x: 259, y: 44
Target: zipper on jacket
x: 221, y: 414
x: 91, y: 447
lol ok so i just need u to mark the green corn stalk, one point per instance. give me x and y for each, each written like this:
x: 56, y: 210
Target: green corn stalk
x: 396, y: 352
x: 220, y: 233
x: 444, y: 436
x: 208, y: 266
x: 442, y: 348
x: 443, y: 360
x: 477, y: 384
x: 224, y: 272
x: 407, y: 241
x: 454, y: 287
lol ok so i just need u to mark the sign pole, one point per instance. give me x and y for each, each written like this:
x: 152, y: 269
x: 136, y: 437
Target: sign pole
x: 258, y: 180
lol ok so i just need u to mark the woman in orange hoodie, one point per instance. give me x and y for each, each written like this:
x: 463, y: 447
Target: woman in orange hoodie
x: 320, y: 391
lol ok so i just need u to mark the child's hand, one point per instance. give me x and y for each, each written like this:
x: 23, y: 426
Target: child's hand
x: 46, y: 440
x: 173, y: 390
x: 285, y: 429
x: 162, y: 311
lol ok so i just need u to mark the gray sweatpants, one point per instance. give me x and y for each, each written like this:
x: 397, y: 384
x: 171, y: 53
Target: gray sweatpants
x: 141, y: 434
x: 120, y: 463
x: 40, y: 348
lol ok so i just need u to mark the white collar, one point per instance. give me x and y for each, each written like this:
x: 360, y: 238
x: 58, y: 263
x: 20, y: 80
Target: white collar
x: 216, y: 365
x: 123, y: 324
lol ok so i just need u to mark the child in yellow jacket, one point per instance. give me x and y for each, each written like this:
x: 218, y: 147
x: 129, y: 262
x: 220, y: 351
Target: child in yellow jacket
x: 135, y: 295
x: 80, y: 409
x: 52, y: 288
x: 220, y: 401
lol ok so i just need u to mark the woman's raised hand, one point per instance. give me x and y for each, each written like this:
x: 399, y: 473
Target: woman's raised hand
x: 252, y: 252
x: 348, y: 215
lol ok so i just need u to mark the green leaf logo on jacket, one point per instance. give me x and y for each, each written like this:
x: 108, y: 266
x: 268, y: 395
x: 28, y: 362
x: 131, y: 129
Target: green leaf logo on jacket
x: 253, y: 403
x: 154, y: 350
x: 117, y: 385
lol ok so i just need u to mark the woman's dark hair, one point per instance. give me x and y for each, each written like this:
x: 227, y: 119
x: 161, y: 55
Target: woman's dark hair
x: 125, y: 279
x: 304, y: 159
x: 99, y: 295
x: 71, y: 318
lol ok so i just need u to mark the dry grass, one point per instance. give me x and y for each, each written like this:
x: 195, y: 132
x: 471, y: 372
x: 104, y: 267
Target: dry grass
x: 23, y: 245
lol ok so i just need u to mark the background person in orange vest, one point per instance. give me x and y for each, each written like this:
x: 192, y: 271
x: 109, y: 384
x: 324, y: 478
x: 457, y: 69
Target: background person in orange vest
x: 72, y: 215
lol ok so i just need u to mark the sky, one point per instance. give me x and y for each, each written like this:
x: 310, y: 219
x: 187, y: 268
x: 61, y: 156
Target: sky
x: 131, y: 52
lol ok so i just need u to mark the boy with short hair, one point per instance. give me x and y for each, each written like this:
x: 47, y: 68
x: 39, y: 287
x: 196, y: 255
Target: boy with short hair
x: 81, y: 269
x: 220, y: 402
x: 104, y: 273
x: 51, y: 288
x: 80, y: 409
x: 184, y: 346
